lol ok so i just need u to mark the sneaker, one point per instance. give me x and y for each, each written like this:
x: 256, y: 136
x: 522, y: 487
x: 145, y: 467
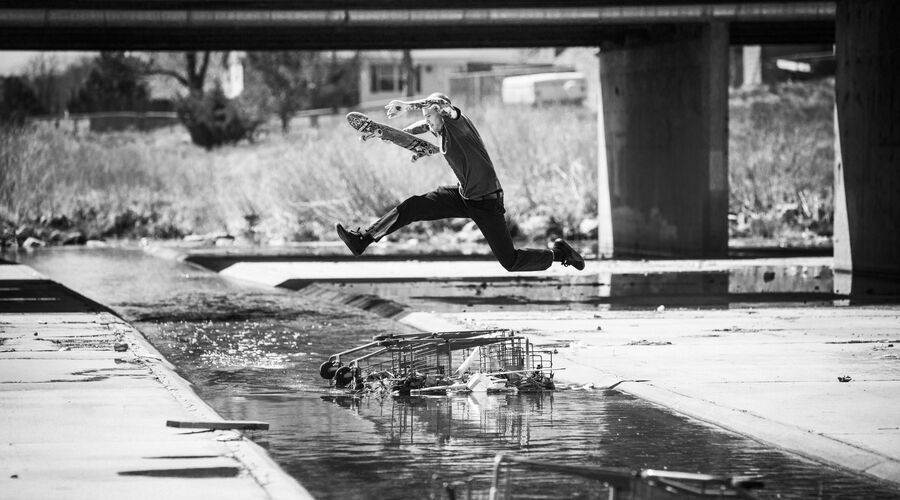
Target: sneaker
x: 567, y: 255
x: 356, y: 241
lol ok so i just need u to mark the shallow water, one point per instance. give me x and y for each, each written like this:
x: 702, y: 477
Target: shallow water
x: 763, y: 286
x: 254, y: 354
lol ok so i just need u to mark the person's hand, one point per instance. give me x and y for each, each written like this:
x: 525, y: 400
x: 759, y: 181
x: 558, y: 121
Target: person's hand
x: 395, y: 108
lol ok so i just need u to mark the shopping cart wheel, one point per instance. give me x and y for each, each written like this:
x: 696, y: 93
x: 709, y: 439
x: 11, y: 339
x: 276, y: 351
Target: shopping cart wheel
x: 329, y: 368
x: 343, y: 376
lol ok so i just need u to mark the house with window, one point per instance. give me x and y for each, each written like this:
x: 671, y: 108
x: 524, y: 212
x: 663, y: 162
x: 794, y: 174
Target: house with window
x: 382, y: 76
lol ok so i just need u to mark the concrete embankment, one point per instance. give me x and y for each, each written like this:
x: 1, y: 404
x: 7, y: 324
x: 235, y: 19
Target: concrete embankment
x: 84, y: 402
x: 771, y: 373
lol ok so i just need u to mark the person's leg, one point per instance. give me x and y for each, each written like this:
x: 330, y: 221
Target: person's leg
x: 488, y: 215
x: 442, y: 203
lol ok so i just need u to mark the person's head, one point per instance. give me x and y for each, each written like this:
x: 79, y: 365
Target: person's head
x: 433, y: 118
x: 438, y: 95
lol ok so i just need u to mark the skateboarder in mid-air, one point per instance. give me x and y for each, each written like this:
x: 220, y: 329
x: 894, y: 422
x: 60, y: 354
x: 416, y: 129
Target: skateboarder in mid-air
x: 478, y: 196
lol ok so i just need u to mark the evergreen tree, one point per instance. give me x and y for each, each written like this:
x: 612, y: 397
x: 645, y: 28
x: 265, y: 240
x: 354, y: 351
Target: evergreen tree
x: 18, y: 100
x: 114, y: 84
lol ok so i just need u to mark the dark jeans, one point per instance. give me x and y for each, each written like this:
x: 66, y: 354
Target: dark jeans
x: 446, y: 203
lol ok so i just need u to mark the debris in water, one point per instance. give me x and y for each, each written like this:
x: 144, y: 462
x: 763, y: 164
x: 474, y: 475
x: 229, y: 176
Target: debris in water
x: 443, y: 362
x: 649, y: 342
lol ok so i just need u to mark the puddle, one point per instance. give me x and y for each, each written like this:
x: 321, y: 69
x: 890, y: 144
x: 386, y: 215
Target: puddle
x: 740, y: 287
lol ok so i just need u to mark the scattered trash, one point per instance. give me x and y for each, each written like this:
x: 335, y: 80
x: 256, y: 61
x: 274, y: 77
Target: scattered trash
x: 844, y: 378
x: 219, y: 424
x: 479, y: 382
x: 442, y: 363
x: 229, y: 436
x: 65, y: 349
x: 661, y: 308
x: 509, y: 470
x: 649, y: 342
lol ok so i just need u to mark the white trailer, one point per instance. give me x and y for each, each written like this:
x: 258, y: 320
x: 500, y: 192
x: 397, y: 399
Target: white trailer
x: 545, y: 88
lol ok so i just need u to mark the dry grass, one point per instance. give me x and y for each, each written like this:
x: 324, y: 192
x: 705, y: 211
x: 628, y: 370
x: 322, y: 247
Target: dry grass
x: 781, y: 158
x: 293, y: 187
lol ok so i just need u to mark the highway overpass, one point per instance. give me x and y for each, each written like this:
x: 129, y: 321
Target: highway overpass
x: 663, y: 146
x: 381, y: 24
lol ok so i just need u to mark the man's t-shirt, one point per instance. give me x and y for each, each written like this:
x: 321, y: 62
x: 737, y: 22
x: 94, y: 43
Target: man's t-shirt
x: 467, y: 156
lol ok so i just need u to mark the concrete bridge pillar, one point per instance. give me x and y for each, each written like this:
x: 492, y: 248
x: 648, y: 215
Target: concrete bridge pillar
x: 867, y: 173
x: 664, y: 120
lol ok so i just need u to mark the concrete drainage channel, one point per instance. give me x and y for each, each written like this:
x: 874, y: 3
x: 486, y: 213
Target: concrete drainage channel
x: 680, y: 351
x: 86, y: 398
x: 781, y: 342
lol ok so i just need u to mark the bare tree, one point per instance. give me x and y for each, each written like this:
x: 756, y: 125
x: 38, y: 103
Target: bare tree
x: 190, y: 69
x: 291, y: 79
x: 43, y: 71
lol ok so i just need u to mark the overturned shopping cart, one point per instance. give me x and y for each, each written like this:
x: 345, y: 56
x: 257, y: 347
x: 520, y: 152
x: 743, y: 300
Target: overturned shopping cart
x: 424, y: 363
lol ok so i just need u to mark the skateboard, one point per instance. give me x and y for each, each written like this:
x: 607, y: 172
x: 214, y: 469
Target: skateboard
x: 370, y: 128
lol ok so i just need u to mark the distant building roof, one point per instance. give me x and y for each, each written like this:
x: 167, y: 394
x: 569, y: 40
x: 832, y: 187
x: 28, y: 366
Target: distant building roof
x: 497, y: 56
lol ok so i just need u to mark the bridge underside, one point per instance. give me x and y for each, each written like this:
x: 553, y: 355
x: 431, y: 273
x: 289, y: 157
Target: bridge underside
x: 392, y: 24
x: 266, y: 37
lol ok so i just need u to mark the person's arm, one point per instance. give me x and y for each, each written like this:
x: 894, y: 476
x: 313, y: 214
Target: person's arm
x: 398, y: 107
x: 419, y: 127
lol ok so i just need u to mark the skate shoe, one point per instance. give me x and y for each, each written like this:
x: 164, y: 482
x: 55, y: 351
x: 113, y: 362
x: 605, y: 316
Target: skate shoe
x: 356, y: 240
x: 567, y: 255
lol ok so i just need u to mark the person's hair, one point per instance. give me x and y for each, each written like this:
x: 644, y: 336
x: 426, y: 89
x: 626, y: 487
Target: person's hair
x: 438, y: 95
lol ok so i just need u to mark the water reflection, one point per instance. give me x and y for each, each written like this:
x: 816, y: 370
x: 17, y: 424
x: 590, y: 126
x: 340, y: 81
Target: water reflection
x: 387, y: 447
x: 741, y: 286
x: 438, y: 420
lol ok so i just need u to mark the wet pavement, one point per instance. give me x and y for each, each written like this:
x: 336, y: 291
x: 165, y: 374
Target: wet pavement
x: 253, y: 353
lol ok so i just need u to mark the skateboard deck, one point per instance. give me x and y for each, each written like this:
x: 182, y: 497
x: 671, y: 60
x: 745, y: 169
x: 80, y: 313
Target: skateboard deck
x: 371, y: 128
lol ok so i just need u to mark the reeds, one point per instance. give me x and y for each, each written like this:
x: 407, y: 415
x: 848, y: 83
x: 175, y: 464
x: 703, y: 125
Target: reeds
x: 288, y: 187
x: 294, y: 187
x: 781, y: 159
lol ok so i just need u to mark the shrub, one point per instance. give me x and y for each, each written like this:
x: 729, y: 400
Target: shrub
x: 214, y: 120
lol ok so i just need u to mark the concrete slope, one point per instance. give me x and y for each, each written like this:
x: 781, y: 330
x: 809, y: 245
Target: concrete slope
x: 771, y: 374
x: 84, y: 401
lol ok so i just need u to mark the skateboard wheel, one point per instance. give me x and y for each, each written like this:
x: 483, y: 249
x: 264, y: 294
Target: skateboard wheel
x: 379, y: 133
